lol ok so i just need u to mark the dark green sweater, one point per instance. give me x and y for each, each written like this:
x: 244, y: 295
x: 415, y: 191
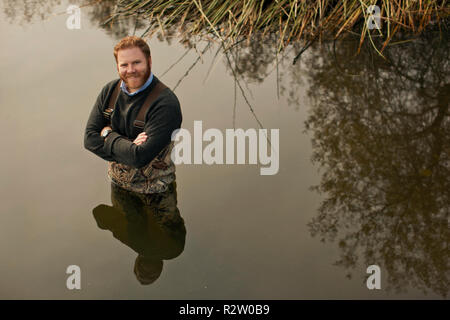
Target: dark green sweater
x: 162, y: 118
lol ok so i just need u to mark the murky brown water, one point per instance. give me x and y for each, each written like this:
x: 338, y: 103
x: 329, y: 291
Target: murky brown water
x: 380, y: 132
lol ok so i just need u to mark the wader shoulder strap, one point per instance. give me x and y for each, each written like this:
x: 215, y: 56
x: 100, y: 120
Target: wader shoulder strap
x: 140, y: 119
x: 151, y: 97
x: 158, y: 162
x: 112, y: 102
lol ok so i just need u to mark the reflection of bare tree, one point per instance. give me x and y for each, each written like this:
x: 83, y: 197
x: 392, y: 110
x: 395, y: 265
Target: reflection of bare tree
x: 100, y: 13
x: 252, y: 59
x: 381, y: 132
x: 23, y: 11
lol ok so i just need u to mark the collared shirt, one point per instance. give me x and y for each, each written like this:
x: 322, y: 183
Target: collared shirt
x: 146, y: 84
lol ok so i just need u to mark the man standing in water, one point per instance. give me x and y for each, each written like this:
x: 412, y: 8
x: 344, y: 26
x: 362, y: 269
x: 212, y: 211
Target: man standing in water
x: 132, y: 121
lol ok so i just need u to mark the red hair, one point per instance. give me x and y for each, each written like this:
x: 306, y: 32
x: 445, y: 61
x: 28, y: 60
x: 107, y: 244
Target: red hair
x: 132, y: 42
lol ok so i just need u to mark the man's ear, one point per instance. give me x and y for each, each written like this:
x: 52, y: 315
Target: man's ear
x: 150, y: 62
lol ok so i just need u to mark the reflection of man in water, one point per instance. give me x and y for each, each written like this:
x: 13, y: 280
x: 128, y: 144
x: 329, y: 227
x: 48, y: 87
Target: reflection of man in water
x: 132, y: 121
x: 149, y: 224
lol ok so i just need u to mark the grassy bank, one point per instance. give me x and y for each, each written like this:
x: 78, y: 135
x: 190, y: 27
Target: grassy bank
x: 291, y: 20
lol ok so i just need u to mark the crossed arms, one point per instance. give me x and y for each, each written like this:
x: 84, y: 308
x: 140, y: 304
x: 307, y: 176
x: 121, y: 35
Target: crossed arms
x: 162, y: 119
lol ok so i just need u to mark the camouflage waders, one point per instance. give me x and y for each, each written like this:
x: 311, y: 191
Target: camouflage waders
x: 153, y: 178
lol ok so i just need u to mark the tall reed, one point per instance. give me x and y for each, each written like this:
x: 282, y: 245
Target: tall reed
x: 291, y: 20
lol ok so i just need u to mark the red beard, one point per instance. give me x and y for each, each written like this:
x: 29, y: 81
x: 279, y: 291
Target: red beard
x: 141, y: 78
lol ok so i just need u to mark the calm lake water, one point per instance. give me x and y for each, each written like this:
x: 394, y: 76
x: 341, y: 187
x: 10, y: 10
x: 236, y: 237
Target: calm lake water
x: 373, y: 137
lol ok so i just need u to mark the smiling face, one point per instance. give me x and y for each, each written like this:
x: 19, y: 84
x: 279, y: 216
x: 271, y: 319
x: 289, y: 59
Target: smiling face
x: 133, y: 67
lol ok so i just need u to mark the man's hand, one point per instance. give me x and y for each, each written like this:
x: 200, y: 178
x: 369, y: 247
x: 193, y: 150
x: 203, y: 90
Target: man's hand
x: 140, y: 139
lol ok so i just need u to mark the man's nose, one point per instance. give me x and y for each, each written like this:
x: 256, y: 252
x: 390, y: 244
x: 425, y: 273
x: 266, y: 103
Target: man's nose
x: 130, y: 69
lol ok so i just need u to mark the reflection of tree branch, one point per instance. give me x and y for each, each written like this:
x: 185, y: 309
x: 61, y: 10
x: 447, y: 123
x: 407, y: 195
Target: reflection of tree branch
x: 338, y: 66
x: 176, y: 62
x: 193, y: 65
x: 212, y: 63
x: 382, y: 143
x: 307, y: 45
x: 242, y: 90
